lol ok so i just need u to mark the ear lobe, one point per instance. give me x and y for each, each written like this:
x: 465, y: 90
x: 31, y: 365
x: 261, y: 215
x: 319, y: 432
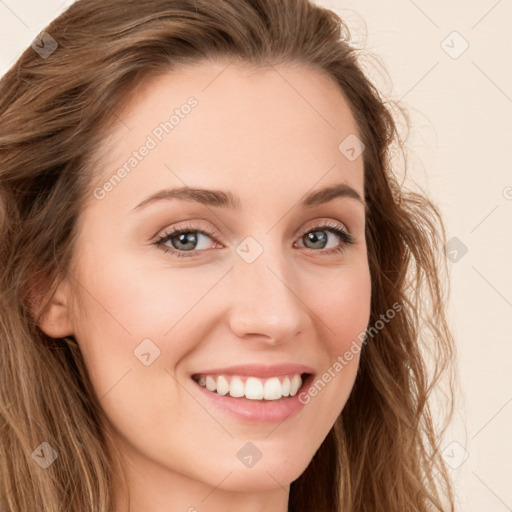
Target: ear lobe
x: 55, y: 318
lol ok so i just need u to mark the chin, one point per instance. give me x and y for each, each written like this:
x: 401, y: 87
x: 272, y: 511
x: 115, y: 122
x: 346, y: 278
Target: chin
x: 268, y: 473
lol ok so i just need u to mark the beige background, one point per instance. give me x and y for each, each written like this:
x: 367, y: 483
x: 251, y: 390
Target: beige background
x: 460, y: 152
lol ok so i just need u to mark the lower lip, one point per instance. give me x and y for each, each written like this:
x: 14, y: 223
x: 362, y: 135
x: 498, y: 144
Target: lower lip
x: 259, y: 411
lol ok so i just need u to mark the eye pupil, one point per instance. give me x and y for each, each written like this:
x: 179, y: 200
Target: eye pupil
x: 317, y: 239
x: 182, y: 238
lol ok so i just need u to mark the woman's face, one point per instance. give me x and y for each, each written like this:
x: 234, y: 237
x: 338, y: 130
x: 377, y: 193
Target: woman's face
x: 265, y: 283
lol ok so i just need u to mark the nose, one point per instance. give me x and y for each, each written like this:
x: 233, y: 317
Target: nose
x: 267, y: 306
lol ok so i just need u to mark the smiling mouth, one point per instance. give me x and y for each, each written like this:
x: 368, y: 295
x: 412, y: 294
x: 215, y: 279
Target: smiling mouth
x: 253, y: 388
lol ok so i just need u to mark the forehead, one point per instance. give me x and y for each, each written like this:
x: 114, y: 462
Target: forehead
x: 273, y: 128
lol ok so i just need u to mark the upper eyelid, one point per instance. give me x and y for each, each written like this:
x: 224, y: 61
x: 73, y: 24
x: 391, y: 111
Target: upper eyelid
x: 322, y: 223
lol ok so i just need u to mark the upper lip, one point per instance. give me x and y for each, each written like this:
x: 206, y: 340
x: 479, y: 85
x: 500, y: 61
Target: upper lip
x: 258, y: 370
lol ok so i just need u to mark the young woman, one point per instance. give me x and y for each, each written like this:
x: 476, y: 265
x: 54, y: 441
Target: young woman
x: 215, y: 294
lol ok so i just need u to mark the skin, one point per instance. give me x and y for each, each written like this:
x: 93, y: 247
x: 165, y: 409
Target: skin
x: 268, y: 135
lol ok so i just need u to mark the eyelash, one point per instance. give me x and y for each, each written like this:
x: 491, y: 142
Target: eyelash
x: 347, y: 239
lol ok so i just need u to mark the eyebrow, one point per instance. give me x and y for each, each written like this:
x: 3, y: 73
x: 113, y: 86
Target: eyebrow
x: 226, y: 199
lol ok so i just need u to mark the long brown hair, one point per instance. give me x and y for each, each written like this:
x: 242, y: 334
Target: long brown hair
x: 383, y: 452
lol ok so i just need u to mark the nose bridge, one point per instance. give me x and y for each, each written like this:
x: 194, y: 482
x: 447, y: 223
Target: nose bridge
x: 265, y: 301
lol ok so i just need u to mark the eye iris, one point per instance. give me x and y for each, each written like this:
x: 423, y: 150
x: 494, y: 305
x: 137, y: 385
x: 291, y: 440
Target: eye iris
x: 182, y: 238
x: 315, y: 239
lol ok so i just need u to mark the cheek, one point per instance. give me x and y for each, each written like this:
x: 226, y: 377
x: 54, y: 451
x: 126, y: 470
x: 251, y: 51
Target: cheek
x: 343, y: 310
x: 124, y: 303
x: 137, y: 301
x: 340, y: 309
x: 344, y: 307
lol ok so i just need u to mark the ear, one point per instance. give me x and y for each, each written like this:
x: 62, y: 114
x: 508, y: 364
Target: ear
x: 55, y: 320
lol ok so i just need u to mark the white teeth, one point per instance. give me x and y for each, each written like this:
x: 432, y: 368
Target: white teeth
x: 286, y: 386
x: 211, y: 383
x: 272, y: 389
x: 253, y: 388
x: 236, y: 388
x: 222, y: 385
x: 295, y: 385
